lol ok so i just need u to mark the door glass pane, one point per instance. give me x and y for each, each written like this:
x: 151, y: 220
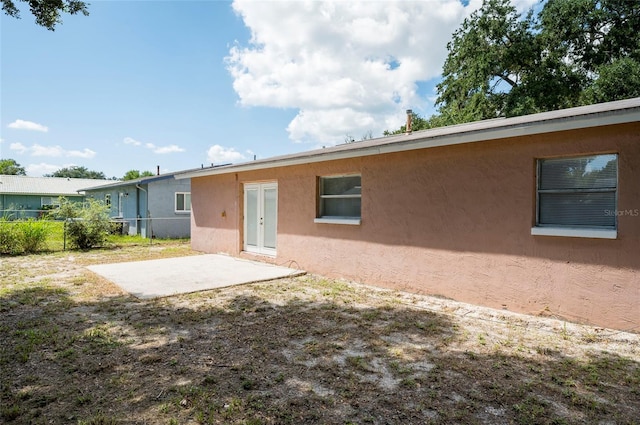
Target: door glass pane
x: 251, y: 219
x: 270, y: 217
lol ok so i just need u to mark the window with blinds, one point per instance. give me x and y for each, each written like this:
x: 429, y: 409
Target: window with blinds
x: 578, y: 191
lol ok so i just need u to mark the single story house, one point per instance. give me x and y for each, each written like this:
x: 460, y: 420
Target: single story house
x: 155, y: 206
x: 538, y: 214
x: 30, y: 197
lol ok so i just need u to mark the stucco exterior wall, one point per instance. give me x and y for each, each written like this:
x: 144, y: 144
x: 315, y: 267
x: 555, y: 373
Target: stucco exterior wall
x: 453, y: 221
x: 165, y: 220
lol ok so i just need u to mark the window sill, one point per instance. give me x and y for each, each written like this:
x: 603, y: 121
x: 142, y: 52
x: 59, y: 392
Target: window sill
x: 575, y: 232
x: 338, y: 220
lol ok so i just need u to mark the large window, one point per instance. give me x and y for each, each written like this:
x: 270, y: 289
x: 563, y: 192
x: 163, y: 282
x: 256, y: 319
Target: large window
x: 183, y: 201
x: 339, y: 199
x: 577, y: 196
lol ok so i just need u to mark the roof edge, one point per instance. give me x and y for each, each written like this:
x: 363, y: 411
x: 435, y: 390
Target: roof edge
x: 597, y: 115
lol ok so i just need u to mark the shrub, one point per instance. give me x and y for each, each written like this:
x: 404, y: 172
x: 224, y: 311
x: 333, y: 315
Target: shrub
x: 9, y: 237
x: 33, y: 235
x: 87, y: 225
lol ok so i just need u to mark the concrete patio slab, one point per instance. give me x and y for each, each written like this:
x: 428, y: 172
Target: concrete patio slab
x: 172, y: 276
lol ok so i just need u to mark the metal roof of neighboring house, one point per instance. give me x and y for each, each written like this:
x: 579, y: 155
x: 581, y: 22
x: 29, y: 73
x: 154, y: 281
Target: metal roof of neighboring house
x: 57, y: 186
x: 619, y: 112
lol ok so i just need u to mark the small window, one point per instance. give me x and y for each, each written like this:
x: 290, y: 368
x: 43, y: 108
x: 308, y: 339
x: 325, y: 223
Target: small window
x: 578, y: 193
x: 183, y: 201
x: 49, y: 202
x: 339, y: 199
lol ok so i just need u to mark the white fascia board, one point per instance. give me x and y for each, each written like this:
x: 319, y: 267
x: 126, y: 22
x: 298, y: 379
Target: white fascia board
x: 501, y: 128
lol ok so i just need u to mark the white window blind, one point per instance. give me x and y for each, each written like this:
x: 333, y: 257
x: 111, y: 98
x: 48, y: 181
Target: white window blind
x: 578, y: 191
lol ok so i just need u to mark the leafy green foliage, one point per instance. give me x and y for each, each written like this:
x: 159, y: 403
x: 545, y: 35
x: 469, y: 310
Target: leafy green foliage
x: 47, y: 12
x: 11, y: 167
x: 22, y: 236
x: 77, y: 172
x: 88, y: 225
x: 501, y: 63
x: 9, y: 237
x: 136, y: 174
x: 34, y: 235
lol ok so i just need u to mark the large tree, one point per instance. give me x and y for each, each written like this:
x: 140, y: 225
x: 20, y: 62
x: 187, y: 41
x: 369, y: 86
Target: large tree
x: 77, y: 172
x: 47, y: 12
x: 574, y: 52
x: 11, y: 167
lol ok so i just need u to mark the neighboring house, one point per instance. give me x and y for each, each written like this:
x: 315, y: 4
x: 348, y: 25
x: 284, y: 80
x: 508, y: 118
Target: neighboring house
x: 156, y: 206
x: 537, y: 214
x: 29, y: 197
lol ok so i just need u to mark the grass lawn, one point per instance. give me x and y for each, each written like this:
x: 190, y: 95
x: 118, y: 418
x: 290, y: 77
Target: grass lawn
x: 75, y: 349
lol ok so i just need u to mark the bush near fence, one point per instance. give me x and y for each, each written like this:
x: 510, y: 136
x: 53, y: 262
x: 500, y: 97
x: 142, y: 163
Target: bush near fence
x: 23, y: 236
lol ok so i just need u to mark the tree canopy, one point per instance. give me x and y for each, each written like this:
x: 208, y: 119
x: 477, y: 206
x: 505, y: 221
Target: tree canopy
x: 502, y: 63
x: 77, y: 172
x: 136, y: 174
x: 47, y: 12
x: 11, y: 167
x: 575, y: 52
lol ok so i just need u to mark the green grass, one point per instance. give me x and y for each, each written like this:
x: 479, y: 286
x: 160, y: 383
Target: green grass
x: 55, y: 238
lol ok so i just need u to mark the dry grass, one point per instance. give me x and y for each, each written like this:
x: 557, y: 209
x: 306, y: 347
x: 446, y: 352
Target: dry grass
x: 74, y: 349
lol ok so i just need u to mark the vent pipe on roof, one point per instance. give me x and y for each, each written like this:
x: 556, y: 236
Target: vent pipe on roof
x: 408, y: 128
x: 157, y: 170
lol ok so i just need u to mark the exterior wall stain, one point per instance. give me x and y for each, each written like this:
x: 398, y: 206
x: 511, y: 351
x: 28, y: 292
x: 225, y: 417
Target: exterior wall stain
x: 453, y: 221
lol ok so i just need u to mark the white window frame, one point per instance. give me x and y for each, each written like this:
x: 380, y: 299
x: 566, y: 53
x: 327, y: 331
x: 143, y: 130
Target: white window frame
x: 184, y: 209
x: 597, y: 232
x: 326, y: 219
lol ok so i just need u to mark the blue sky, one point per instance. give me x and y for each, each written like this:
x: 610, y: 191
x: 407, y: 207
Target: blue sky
x: 177, y: 84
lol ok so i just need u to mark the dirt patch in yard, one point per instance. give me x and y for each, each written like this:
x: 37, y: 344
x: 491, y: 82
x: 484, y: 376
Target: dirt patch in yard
x: 76, y: 349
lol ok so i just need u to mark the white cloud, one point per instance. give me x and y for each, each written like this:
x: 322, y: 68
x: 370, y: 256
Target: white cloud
x: 18, y: 147
x: 348, y: 67
x: 51, y: 151
x: 38, y: 170
x: 220, y: 155
x: 131, y: 141
x: 163, y: 149
x: 168, y: 149
x: 28, y: 125
x: 152, y: 147
x: 85, y: 153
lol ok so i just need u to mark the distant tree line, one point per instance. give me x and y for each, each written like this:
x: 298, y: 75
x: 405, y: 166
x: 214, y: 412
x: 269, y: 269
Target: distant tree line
x: 12, y: 167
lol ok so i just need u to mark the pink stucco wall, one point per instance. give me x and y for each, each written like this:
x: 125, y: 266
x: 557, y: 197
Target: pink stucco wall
x: 453, y: 221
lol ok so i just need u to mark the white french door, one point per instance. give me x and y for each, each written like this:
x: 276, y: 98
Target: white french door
x: 260, y: 217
